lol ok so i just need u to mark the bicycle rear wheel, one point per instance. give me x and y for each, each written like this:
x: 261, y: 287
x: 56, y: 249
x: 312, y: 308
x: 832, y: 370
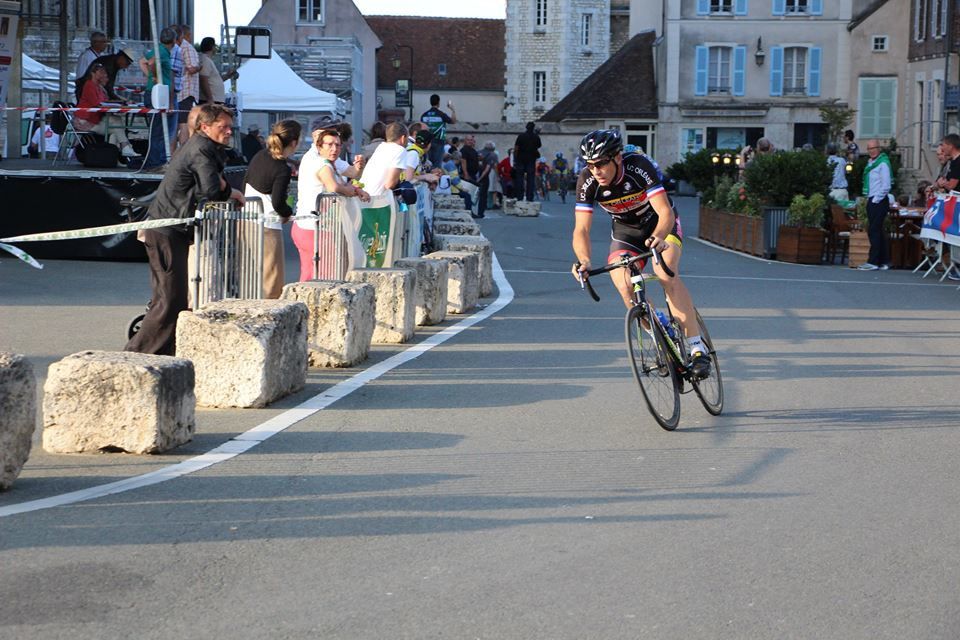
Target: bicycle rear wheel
x: 710, y: 389
x: 653, y: 367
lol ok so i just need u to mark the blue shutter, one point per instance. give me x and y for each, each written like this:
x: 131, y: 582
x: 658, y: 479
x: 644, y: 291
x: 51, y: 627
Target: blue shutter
x: 776, y: 71
x: 739, y: 70
x: 813, y: 84
x: 703, y: 7
x: 703, y: 56
x: 816, y: 7
x: 740, y: 8
x: 779, y: 7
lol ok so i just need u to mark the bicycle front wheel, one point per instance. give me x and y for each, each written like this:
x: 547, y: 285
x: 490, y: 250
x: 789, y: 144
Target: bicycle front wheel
x: 710, y: 389
x: 653, y: 367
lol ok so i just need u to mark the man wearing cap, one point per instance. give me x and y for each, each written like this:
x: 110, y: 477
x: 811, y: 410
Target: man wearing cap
x: 252, y: 142
x: 113, y: 63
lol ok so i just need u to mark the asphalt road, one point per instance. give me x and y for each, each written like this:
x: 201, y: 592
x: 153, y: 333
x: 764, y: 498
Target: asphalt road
x: 508, y: 483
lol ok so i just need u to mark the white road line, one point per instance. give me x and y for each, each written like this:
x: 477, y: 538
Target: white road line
x: 686, y: 276
x: 249, y: 439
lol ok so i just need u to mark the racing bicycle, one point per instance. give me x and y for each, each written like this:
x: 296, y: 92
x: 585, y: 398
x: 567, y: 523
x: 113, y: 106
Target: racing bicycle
x: 657, y: 348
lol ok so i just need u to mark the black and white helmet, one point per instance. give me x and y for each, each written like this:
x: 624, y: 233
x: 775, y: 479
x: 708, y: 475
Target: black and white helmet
x: 600, y: 144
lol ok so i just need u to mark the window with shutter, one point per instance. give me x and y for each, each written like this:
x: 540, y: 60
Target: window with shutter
x: 877, y: 107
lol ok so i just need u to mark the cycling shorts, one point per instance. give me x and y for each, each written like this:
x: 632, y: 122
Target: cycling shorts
x: 632, y: 240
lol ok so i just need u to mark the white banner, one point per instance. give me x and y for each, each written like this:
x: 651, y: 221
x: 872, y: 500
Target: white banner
x: 8, y: 42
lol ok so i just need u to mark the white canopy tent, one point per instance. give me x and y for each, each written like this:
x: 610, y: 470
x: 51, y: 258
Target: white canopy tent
x: 271, y: 86
x: 40, y: 77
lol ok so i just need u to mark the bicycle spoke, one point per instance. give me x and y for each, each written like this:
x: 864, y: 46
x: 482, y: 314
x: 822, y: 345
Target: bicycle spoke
x: 710, y: 389
x: 653, y: 368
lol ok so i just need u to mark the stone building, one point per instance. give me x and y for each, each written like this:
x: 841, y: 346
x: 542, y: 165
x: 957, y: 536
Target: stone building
x: 461, y: 61
x: 330, y: 45
x: 551, y: 47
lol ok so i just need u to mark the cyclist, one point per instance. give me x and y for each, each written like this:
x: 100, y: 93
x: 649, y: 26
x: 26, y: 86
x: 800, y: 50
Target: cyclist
x: 562, y: 171
x: 629, y: 186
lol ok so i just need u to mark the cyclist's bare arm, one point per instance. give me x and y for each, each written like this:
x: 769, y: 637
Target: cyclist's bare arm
x: 581, y: 241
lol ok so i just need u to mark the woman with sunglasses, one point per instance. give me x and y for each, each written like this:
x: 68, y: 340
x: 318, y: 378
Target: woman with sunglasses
x: 629, y: 186
x: 318, y: 174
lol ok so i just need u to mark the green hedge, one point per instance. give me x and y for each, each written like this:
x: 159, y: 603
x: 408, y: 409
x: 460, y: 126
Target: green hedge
x: 774, y: 179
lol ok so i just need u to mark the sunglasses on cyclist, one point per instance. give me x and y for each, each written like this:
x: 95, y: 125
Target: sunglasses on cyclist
x: 599, y: 164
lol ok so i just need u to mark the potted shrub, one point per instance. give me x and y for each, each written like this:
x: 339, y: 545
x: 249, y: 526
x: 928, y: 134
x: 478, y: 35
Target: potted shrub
x: 859, y: 251
x: 801, y: 239
x: 774, y: 179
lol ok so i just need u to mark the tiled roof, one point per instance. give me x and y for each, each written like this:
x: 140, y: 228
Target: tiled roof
x: 622, y: 87
x: 473, y: 50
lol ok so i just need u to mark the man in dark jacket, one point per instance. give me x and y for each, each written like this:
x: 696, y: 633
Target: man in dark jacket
x: 194, y: 174
x: 525, y: 153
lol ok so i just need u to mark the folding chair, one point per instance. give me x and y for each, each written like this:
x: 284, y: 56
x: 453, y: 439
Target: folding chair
x: 954, y: 266
x: 932, y: 252
x: 72, y: 137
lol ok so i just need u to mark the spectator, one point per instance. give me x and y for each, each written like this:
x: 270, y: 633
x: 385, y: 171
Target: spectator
x: 838, y: 187
x: 51, y: 140
x: 378, y: 133
x: 318, y: 174
x: 505, y: 173
x: 188, y: 95
x: 453, y: 145
x: 211, y: 79
x: 877, y: 178
x: 98, y: 47
x: 114, y: 63
x: 488, y: 166
x: 413, y: 170
x: 346, y: 168
x: 157, y: 155
x: 268, y: 178
x: 950, y: 150
x: 853, y: 149
x: 496, y: 189
x: 385, y: 169
x: 922, y: 195
x: 469, y: 160
x: 252, y: 143
x: 525, y: 153
x: 94, y: 95
x: 176, y: 65
x: 437, y: 121
x: 195, y: 174
x: 457, y: 188
x: 748, y: 153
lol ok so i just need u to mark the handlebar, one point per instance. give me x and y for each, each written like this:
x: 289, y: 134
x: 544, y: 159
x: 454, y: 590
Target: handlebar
x: 623, y: 262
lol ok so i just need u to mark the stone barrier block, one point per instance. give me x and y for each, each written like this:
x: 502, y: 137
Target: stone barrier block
x: 447, y: 202
x: 18, y: 415
x: 456, y: 228
x: 430, y: 294
x: 118, y: 400
x: 247, y: 353
x: 479, y: 245
x: 340, y: 323
x: 520, y: 208
x: 463, y: 279
x: 396, y: 309
x: 452, y: 215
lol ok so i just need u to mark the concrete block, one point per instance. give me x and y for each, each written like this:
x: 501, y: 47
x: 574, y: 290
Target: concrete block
x: 396, y: 310
x: 452, y: 215
x: 18, y: 415
x: 430, y: 294
x: 463, y: 279
x: 247, y: 353
x: 521, y: 208
x: 118, y: 400
x: 479, y: 245
x: 447, y: 202
x: 456, y: 228
x: 340, y: 323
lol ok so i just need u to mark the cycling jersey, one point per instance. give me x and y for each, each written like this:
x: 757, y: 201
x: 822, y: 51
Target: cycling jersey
x: 627, y: 200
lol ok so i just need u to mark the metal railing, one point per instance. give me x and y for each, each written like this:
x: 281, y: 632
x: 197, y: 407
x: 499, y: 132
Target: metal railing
x: 329, y: 244
x: 228, y: 252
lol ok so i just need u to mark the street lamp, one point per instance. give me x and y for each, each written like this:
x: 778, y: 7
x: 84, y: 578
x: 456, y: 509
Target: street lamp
x: 395, y: 61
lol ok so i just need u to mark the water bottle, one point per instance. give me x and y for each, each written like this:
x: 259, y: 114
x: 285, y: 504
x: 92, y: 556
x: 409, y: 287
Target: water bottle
x: 666, y: 324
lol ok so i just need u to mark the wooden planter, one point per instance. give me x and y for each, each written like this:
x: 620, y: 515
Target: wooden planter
x: 734, y: 230
x: 802, y: 245
x: 859, y: 248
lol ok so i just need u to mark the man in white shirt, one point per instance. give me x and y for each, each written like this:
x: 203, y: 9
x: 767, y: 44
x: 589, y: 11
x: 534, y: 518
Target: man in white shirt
x: 51, y: 141
x: 98, y: 47
x: 384, y: 170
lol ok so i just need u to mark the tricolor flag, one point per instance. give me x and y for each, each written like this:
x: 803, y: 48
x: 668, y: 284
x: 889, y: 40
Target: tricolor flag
x: 942, y: 220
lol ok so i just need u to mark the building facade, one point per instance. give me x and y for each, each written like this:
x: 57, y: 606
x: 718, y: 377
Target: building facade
x: 551, y: 47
